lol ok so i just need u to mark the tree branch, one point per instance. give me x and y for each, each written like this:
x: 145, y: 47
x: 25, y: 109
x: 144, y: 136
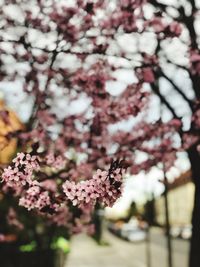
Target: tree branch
x: 177, y: 89
x: 156, y: 90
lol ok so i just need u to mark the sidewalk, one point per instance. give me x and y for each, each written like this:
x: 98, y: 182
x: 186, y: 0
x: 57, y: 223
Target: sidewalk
x: 119, y: 253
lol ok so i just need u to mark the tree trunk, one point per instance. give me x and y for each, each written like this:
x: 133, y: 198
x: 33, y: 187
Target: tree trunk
x: 194, y: 260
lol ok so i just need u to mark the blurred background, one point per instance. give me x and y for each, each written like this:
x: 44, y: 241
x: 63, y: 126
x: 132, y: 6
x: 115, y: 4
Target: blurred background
x: 150, y: 224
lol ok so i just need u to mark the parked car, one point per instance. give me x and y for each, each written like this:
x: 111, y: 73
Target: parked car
x: 130, y: 231
x: 184, y: 232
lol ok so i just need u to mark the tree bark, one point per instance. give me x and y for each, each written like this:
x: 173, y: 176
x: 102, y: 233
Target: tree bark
x: 194, y: 259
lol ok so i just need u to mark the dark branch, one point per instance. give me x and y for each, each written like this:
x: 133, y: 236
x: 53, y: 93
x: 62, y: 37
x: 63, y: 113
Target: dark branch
x: 156, y: 90
x: 177, y: 89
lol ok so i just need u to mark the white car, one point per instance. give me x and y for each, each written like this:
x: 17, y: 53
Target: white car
x: 131, y: 232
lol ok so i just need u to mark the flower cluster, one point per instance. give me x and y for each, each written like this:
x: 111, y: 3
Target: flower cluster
x: 61, y: 216
x: 173, y: 29
x: 35, y: 198
x: 104, y: 186
x: 57, y: 162
x: 21, y: 171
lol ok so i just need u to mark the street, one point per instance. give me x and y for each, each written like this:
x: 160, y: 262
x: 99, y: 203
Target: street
x: 119, y: 253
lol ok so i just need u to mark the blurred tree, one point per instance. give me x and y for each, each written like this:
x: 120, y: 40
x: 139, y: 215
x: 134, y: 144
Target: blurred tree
x: 75, y: 52
x: 171, y: 67
x: 132, y: 212
x: 149, y: 212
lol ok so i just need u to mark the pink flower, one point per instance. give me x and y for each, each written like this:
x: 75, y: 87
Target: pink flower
x: 43, y: 200
x: 34, y: 198
x: 49, y: 185
x: 104, y: 186
x: 145, y: 74
x: 195, y: 61
x: 148, y: 75
x: 100, y: 175
x: 116, y: 175
x: 158, y: 24
x: 19, y: 159
x: 175, y: 28
x: 55, y: 162
x: 62, y: 216
x: 13, y: 220
x: 21, y: 172
x: 69, y: 188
